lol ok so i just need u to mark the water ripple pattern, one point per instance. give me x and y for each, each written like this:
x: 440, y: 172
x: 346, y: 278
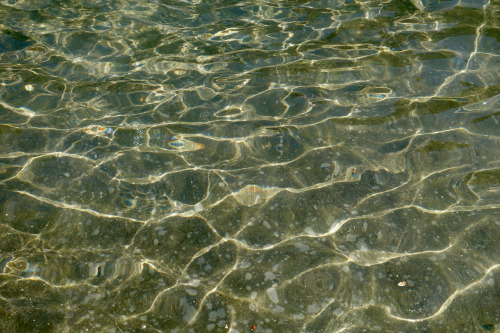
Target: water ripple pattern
x: 238, y: 166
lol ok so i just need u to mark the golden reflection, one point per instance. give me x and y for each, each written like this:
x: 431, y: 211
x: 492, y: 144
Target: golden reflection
x: 17, y: 266
x: 252, y: 195
x: 98, y: 130
x: 181, y: 144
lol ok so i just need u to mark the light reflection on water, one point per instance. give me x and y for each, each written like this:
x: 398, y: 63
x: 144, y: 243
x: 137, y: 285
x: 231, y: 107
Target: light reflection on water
x: 203, y: 166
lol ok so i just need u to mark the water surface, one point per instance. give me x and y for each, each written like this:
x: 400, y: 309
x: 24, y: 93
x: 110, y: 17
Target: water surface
x: 238, y: 166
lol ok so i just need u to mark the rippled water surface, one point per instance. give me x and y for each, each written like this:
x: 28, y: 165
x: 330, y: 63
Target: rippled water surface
x: 238, y: 166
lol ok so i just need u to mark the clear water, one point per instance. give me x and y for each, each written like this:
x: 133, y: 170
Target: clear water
x: 238, y: 166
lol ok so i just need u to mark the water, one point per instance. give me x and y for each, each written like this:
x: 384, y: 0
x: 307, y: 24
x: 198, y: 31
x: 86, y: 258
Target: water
x: 267, y: 166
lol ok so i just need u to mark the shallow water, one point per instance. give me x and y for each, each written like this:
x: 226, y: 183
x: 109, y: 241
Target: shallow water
x: 267, y: 166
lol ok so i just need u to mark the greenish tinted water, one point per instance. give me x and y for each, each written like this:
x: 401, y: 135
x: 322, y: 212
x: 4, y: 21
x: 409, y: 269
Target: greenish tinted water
x: 268, y: 166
